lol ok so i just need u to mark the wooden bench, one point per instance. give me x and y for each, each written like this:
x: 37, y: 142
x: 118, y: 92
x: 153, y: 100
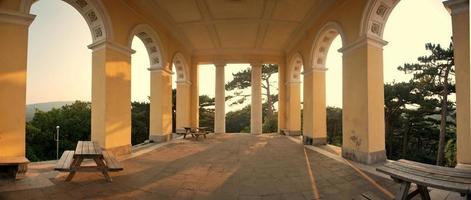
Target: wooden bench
x: 406, y: 172
x: 65, y: 161
x: 13, y: 167
x: 183, y: 132
x: 111, y: 162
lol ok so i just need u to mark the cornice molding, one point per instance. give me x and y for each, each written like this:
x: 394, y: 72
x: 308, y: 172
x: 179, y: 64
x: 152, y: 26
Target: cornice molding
x: 456, y: 7
x: 96, y: 46
x: 18, y: 18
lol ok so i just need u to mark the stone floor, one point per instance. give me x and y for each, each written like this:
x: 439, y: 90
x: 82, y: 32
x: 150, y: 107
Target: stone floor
x: 229, y: 166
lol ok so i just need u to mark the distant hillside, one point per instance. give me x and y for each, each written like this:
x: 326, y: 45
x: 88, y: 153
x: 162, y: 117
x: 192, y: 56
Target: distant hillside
x: 30, y: 109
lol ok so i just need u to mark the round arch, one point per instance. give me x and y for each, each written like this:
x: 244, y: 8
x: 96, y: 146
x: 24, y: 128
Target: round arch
x: 92, y: 11
x: 181, y: 67
x: 321, y: 44
x: 295, y: 67
x: 152, y: 43
x: 375, y: 16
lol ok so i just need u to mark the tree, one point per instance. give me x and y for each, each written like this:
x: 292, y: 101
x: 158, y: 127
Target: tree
x: 206, y: 112
x: 432, y: 75
x: 242, y: 80
x: 139, y: 122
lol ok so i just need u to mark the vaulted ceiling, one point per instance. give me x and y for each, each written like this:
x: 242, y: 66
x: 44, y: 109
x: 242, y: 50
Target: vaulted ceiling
x: 226, y: 26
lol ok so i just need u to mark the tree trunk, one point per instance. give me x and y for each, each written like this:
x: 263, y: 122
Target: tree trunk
x: 443, y: 113
x: 405, y: 141
x: 269, y: 100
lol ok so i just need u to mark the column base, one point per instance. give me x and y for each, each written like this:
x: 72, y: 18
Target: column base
x: 160, y: 138
x: 256, y: 133
x: 293, y: 133
x: 463, y: 166
x: 307, y: 140
x: 319, y: 141
x: 121, y: 150
x: 364, y: 157
x: 219, y: 133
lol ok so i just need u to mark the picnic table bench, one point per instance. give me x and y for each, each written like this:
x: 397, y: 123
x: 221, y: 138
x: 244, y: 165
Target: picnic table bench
x: 71, y: 161
x: 196, y: 132
x: 423, y: 175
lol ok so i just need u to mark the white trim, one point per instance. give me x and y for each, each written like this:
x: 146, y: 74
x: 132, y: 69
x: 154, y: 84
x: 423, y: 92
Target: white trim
x: 329, y: 26
x: 363, y: 41
x: 13, y: 17
x: 96, y: 46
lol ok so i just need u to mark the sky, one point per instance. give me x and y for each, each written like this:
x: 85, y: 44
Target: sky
x: 59, y: 62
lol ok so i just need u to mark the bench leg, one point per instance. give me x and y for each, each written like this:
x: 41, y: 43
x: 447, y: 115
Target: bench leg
x: 104, y: 169
x: 73, y: 168
x: 403, y: 192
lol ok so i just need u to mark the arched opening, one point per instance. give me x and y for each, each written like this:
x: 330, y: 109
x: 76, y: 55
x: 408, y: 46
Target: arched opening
x: 140, y: 92
x: 147, y: 60
x: 180, y: 93
x: 294, y: 86
x: 326, y: 76
x: 59, y: 79
x: 412, y: 131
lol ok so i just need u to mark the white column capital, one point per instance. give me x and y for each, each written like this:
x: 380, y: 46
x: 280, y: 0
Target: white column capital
x: 256, y: 64
x: 183, y: 82
x: 161, y: 70
x: 315, y: 69
x: 455, y: 7
x: 363, y: 41
x: 13, y: 17
x: 98, y: 45
x: 219, y: 64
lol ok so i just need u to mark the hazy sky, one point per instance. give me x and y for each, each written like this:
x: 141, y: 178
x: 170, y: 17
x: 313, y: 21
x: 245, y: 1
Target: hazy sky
x: 59, y: 62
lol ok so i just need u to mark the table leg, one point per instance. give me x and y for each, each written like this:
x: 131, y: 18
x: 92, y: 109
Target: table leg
x: 104, y: 169
x: 424, y: 194
x: 403, y: 192
x: 73, y: 168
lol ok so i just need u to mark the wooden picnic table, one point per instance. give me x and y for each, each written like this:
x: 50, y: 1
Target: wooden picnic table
x: 196, y: 131
x: 71, y: 161
x: 423, y: 175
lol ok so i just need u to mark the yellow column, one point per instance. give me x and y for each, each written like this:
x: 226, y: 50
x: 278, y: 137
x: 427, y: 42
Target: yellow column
x: 111, y: 96
x: 363, y: 101
x: 307, y: 106
x: 183, y: 104
x: 13, y: 59
x: 319, y: 116
x: 220, y: 100
x: 294, y: 106
x: 195, y: 100
x: 282, y: 97
x: 256, y: 103
x: 459, y: 10
x: 160, y: 104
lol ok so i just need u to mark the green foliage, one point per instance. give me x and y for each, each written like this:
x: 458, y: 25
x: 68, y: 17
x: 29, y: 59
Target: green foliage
x: 74, y: 121
x: 206, y: 112
x: 334, y: 126
x: 419, y: 119
x: 239, y: 120
x: 139, y: 122
x: 433, y: 81
x: 242, y: 81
